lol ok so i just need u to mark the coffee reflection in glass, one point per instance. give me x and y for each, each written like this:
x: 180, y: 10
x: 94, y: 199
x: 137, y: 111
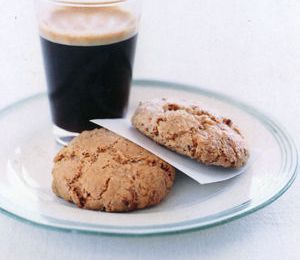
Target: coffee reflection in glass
x: 88, y: 50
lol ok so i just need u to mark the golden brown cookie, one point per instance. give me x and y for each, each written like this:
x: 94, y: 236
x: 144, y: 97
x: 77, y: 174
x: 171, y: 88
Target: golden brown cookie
x: 184, y: 127
x: 103, y: 171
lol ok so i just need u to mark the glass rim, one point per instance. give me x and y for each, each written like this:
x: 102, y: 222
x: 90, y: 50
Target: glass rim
x: 87, y: 2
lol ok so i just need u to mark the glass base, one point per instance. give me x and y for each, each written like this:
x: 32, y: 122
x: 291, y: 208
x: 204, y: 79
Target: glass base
x: 62, y: 136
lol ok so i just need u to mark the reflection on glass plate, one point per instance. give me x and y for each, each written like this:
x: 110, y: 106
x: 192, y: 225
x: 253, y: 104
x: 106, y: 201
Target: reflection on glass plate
x: 28, y: 147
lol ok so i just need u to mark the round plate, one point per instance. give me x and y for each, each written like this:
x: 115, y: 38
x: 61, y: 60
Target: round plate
x: 28, y: 147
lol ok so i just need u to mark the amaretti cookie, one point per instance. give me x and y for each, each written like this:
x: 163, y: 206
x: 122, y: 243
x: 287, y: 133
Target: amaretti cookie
x: 100, y: 170
x: 184, y: 127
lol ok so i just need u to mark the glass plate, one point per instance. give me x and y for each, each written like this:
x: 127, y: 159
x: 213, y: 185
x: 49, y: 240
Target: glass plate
x: 28, y: 146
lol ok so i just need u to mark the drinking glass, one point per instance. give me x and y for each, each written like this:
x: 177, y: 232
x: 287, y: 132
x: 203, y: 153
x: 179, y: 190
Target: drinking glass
x: 88, y: 50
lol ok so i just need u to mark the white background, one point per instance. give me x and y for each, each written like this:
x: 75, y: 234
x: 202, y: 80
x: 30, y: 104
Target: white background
x: 247, y: 49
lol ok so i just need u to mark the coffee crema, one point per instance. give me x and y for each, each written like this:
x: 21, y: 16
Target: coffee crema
x: 87, y: 26
x: 88, y: 55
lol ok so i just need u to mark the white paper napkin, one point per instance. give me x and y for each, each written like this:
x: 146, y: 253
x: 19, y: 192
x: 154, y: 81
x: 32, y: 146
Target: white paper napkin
x: 201, y: 173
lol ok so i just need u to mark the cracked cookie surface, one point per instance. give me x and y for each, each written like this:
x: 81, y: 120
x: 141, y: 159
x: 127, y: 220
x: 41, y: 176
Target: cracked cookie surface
x: 184, y: 127
x: 100, y: 170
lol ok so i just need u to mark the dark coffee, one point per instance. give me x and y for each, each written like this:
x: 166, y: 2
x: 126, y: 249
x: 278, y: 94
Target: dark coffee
x: 88, y: 56
x: 87, y: 82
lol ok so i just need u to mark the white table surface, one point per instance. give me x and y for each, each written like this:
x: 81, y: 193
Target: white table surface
x: 247, y: 49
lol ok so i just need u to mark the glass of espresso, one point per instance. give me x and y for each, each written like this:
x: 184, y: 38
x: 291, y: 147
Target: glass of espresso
x: 88, y: 49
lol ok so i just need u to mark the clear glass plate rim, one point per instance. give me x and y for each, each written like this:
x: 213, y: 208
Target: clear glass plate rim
x: 275, y: 128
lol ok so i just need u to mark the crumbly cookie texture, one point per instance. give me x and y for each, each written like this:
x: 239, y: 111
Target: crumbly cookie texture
x: 183, y: 126
x: 100, y: 170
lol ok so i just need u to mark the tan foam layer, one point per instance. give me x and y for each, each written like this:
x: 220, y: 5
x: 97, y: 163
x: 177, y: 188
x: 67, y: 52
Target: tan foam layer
x: 87, y: 26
